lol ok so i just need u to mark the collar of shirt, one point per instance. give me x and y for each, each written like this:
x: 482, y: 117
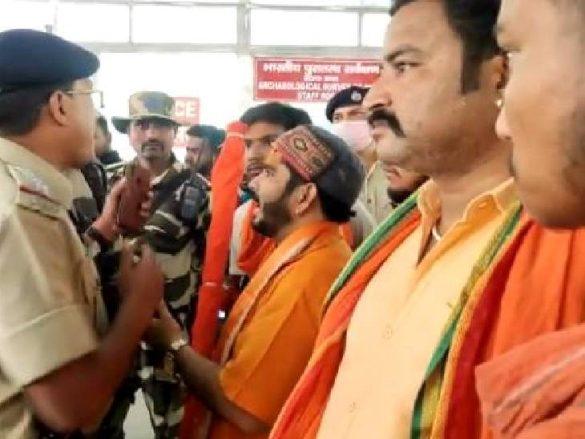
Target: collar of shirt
x: 375, y: 167
x: 57, y: 185
x: 496, y: 199
x: 479, y: 210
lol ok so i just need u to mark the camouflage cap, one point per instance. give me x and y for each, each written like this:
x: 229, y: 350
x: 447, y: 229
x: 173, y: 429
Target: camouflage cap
x: 146, y: 105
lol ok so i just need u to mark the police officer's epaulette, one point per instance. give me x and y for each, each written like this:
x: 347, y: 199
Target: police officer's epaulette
x: 33, y: 192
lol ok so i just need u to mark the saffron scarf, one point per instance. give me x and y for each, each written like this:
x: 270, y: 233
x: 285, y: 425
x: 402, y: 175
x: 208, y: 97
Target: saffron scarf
x: 538, y: 286
x: 255, y: 248
x: 301, y: 415
x: 538, y: 389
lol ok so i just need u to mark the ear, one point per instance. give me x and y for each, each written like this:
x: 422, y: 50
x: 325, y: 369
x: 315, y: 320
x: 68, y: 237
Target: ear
x: 498, y: 72
x: 304, y: 197
x: 57, y: 108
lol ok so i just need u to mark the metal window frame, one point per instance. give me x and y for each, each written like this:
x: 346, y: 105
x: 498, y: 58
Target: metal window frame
x: 243, y: 44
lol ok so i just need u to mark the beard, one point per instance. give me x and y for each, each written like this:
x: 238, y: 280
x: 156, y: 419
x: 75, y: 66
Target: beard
x: 272, y: 217
x: 399, y: 196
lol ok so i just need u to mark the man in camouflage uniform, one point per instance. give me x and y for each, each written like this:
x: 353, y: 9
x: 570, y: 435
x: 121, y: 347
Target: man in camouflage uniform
x: 176, y: 233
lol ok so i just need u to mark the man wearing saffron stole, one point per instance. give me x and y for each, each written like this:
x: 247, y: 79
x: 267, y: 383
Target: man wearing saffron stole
x: 537, y: 389
x: 445, y: 282
x: 248, y: 248
x: 308, y: 185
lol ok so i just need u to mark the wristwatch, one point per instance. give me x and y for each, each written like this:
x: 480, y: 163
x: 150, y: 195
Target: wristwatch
x: 177, y: 345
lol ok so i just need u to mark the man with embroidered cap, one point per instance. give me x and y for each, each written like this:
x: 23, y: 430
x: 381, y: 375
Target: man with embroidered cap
x: 59, y: 365
x: 176, y: 231
x: 309, y: 183
x: 385, y: 185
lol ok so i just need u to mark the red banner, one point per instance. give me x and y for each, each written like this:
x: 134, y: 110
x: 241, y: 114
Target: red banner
x: 187, y: 114
x: 309, y: 80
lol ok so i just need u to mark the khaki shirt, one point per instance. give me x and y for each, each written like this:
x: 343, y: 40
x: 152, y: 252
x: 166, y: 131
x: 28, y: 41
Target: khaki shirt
x: 374, y: 193
x: 48, y: 283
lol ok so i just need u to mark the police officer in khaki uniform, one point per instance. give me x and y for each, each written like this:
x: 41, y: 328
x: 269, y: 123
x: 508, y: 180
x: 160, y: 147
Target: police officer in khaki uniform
x: 59, y: 364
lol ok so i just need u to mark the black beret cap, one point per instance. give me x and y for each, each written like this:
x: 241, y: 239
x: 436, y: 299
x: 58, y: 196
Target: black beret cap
x: 353, y: 95
x: 30, y: 58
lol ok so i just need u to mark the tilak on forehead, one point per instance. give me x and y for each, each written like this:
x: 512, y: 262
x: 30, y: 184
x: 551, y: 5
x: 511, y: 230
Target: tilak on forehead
x: 303, y: 152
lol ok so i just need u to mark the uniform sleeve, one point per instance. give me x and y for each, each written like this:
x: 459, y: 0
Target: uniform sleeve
x: 45, y: 321
x: 273, y: 349
x: 362, y: 224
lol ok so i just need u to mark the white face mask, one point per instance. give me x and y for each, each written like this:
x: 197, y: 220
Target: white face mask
x: 356, y: 133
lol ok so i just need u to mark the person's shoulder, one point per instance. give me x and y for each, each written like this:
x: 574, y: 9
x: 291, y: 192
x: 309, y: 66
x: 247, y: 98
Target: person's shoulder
x: 322, y: 263
x: 8, y: 193
x: 23, y: 190
x: 331, y: 253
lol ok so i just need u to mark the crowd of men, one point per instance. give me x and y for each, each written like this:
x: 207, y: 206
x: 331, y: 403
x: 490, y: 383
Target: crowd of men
x: 418, y: 270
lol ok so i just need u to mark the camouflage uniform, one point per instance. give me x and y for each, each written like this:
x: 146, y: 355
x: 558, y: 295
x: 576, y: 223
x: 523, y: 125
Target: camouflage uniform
x: 176, y: 233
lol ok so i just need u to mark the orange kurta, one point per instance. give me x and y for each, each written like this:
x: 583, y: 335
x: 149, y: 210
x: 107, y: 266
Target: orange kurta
x: 269, y: 336
x: 255, y: 248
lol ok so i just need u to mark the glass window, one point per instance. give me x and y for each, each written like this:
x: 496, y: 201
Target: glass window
x: 184, y: 24
x: 25, y: 15
x: 272, y: 27
x: 374, y: 28
x: 93, y: 22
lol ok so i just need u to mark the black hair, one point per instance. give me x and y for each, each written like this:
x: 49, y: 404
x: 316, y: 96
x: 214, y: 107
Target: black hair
x: 20, y: 109
x: 278, y: 114
x: 213, y: 135
x: 473, y: 21
x: 333, y: 209
x: 102, y: 122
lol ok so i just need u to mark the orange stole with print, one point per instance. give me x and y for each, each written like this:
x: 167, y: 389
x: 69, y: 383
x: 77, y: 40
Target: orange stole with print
x: 270, y: 333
